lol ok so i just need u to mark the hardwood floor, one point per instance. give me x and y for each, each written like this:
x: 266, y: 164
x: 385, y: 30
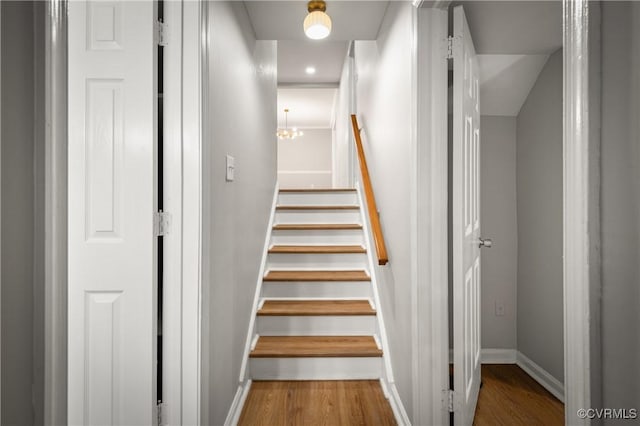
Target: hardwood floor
x: 510, y: 397
x: 334, y: 402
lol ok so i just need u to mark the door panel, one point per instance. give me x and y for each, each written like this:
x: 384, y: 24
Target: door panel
x: 466, y: 222
x: 112, y: 200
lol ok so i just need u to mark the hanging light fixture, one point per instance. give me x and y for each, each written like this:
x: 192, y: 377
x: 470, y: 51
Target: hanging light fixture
x: 317, y: 24
x: 286, y: 132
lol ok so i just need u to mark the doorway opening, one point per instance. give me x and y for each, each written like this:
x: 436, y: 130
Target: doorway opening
x: 520, y: 177
x: 314, y: 99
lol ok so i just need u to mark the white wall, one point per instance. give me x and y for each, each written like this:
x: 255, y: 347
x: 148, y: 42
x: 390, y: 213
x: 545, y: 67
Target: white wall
x: 539, y: 195
x: 306, y: 162
x: 385, y: 106
x: 620, y: 209
x: 499, y: 222
x: 22, y: 217
x: 241, y: 121
x: 342, y: 143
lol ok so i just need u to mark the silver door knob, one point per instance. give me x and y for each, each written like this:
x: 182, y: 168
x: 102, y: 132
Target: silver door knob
x: 485, y: 242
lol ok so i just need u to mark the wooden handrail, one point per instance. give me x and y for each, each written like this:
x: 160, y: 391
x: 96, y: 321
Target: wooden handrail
x: 376, y: 229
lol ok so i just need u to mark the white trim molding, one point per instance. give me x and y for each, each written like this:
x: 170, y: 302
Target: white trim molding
x: 233, y: 416
x: 182, y: 200
x: 499, y: 356
x: 390, y: 392
x: 541, y: 376
x: 430, y: 306
x: 55, y: 285
x: 577, y: 315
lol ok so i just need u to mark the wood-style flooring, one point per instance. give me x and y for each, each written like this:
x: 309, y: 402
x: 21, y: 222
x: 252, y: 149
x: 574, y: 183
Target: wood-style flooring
x: 334, y: 402
x: 510, y: 397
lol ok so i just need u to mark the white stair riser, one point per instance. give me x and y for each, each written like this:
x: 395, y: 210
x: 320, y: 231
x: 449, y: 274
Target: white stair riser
x: 352, y: 237
x: 317, y: 216
x: 348, y: 325
x: 366, y: 368
x: 314, y: 198
x: 318, y: 289
x: 344, y: 261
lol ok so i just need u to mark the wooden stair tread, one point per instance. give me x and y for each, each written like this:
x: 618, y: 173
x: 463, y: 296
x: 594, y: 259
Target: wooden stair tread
x: 319, y: 207
x: 317, y: 276
x: 299, y: 249
x: 319, y: 190
x: 315, y: 346
x: 316, y: 308
x: 316, y: 226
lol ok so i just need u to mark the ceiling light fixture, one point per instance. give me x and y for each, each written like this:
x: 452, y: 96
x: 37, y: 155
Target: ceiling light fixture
x: 317, y: 24
x: 310, y: 70
x: 286, y: 132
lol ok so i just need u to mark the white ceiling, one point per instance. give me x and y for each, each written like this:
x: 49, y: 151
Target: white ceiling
x: 309, y: 108
x: 506, y: 80
x: 515, y: 27
x: 282, y: 20
x: 327, y: 57
x: 513, y: 40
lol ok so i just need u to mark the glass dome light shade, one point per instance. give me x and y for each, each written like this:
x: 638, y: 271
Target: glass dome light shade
x: 317, y: 25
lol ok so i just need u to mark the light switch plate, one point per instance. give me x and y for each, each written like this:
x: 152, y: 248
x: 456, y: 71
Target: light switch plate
x: 230, y: 175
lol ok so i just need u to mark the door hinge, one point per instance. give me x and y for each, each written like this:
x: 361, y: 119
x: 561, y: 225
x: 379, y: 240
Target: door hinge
x: 449, y: 400
x: 450, y: 42
x: 162, y: 33
x: 159, y: 411
x: 161, y: 223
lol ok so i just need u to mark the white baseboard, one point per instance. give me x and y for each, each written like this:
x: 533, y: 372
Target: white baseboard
x: 499, y: 356
x: 541, y: 376
x: 233, y: 416
x: 391, y: 393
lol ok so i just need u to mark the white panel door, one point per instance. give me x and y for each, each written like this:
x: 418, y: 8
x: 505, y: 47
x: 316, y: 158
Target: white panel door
x: 112, y: 199
x: 466, y: 222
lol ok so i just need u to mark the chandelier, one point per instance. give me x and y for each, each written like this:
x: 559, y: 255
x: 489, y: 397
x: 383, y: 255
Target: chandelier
x: 286, y: 132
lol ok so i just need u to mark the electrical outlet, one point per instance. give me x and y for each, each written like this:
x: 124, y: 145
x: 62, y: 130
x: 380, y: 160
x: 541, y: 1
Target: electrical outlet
x: 499, y: 309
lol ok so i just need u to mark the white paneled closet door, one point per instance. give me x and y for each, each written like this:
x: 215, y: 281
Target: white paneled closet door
x: 466, y: 222
x: 112, y: 198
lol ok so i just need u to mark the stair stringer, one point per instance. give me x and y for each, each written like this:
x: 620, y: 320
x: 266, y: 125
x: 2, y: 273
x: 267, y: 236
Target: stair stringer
x: 252, y: 331
x: 387, y: 381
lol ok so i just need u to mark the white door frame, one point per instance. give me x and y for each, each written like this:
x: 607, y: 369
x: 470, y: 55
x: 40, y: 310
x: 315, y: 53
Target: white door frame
x: 581, y: 148
x: 55, y: 315
x: 182, y: 201
x: 431, y: 316
x: 581, y: 202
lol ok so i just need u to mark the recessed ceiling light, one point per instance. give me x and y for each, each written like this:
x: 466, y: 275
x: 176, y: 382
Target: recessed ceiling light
x: 310, y: 70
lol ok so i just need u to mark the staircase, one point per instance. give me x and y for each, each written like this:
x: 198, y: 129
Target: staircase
x: 316, y: 316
